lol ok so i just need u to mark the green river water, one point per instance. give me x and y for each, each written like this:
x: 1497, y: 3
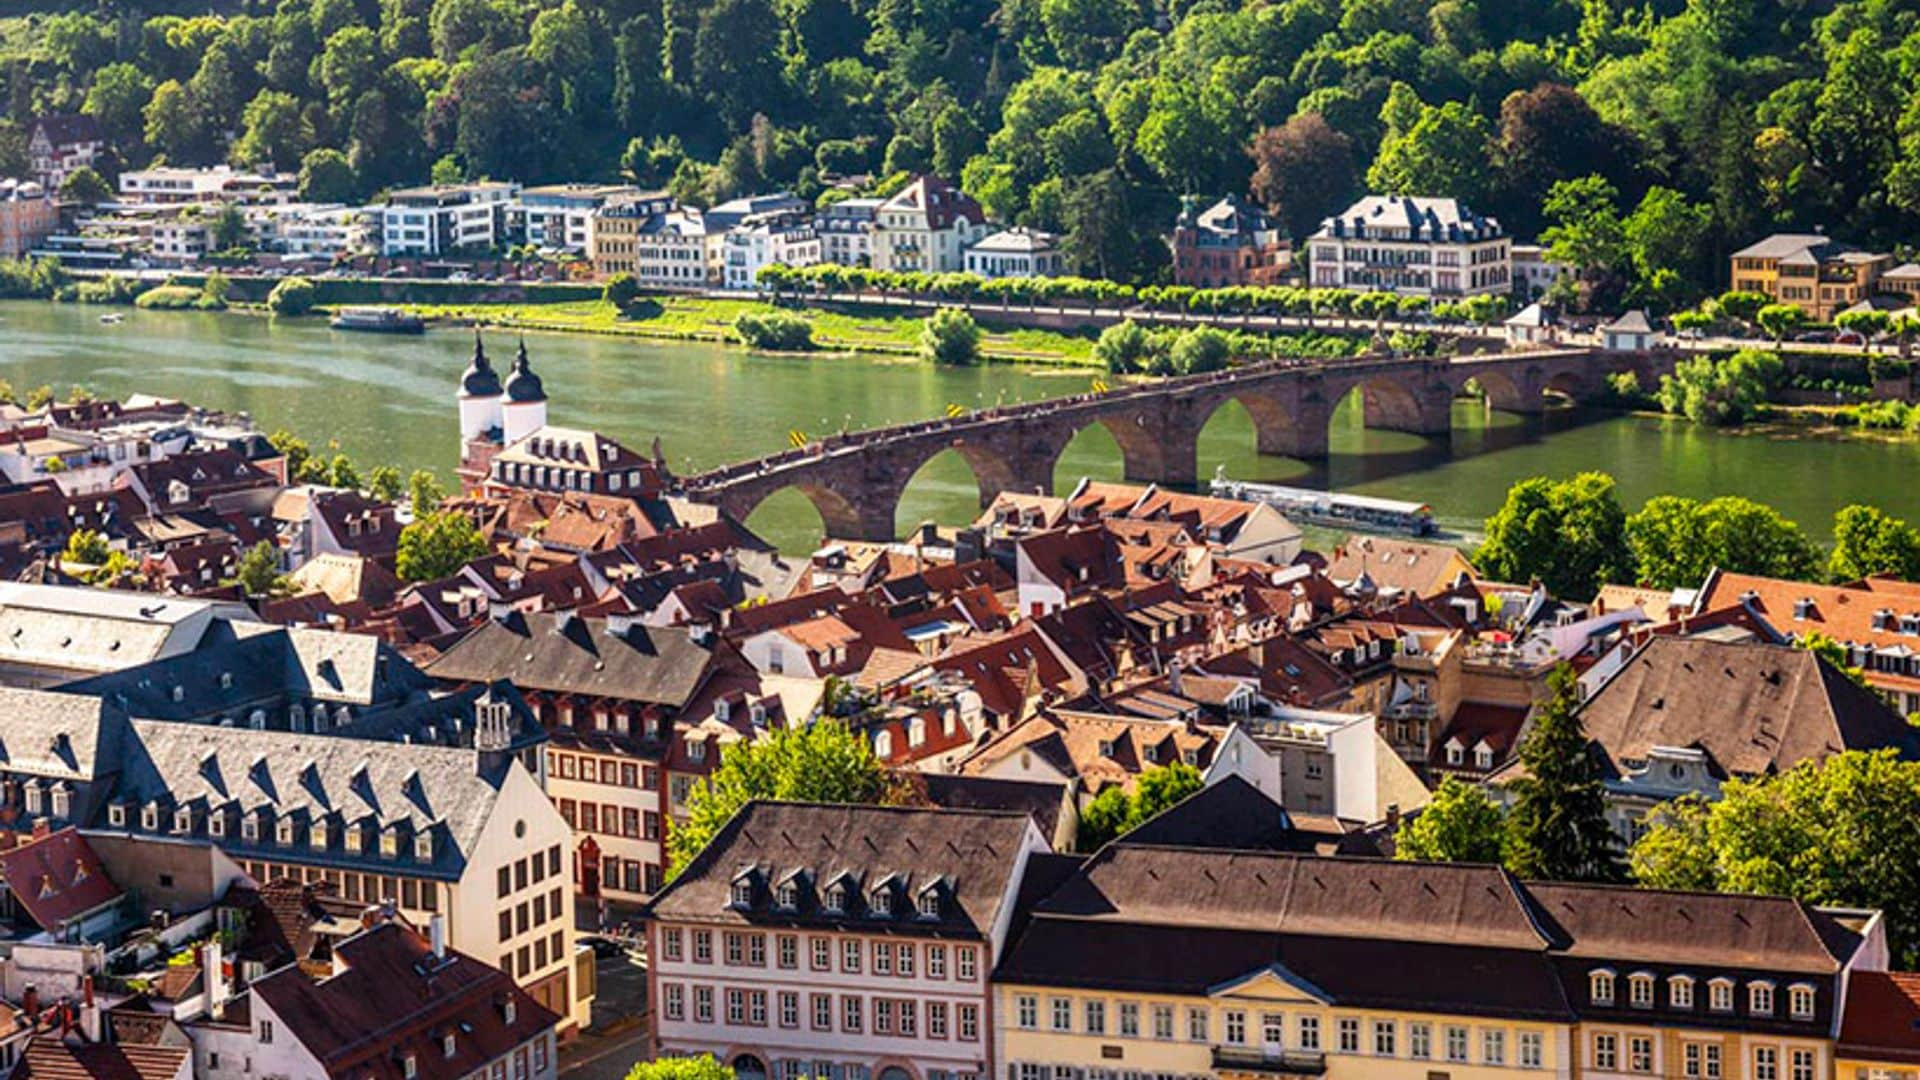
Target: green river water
x: 390, y: 399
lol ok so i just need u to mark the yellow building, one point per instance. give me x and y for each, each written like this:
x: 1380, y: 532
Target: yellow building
x: 1156, y: 963
x: 1812, y: 272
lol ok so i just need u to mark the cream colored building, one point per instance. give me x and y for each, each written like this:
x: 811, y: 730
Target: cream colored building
x: 926, y: 227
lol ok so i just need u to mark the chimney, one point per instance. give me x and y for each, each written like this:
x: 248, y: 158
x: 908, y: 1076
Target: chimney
x: 42, y: 828
x: 1393, y: 817
x: 437, y: 933
x: 618, y: 624
x: 30, y: 1003
x: 215, y: 973
x: 89, y: 1011
x: 1173, y: 677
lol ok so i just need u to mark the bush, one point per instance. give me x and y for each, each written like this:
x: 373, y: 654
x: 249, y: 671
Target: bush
x: 621, y: 291
x: 950, y: 337
x: 34, y: 279
x: 294, y: 296
x: 1200, y: 350
x: 1721, y: 392
x: 774, y: 330
x: 168, y: 298
x: 1123, y: 347
x: 107, y: 290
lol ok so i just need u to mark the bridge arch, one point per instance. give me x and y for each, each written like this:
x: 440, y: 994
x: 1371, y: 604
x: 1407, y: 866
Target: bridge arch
x: 1570, y: 384
x: 841, y: 518
x: 1503, y: 392
x: 1389, y: 402
x: 990, y: 472
x: 1280, y: 428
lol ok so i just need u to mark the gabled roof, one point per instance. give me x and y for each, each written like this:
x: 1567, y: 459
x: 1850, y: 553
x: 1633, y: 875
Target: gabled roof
x: 1755, y: 709
x: 973, y: 852
x: 394, y: 1000
x: 57, y: 878
x: 563, y: 653
x: 66, y: 129
x: 1619, y: 923
x: 1881, y: 1021
x: 47, y: 1057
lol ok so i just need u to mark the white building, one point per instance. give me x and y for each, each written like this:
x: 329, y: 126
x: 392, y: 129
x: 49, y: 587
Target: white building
x: 851, y: 942
x: 1310, y: 761
x: 180, y: 240
x: 1533, y: 272
x: 677, y: 250
x: 313, y: 230
x: 435, y: 221
x: 926, y: 227
x: 220, y: 183
x: 764, y: 240
x: 846, y: 231
x: 466, y: 836
x: 1417, y: 246
x: 61, y: 145
x: 559, y: 217
x: 1018, y: 252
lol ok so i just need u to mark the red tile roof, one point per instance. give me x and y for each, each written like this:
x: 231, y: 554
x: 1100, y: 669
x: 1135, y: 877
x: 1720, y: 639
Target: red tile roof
x: 57, y: 878
x: 1882, y: 1017
x: 48, y: 1058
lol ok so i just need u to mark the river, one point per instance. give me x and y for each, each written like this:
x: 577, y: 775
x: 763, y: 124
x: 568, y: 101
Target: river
x: 390, y: 399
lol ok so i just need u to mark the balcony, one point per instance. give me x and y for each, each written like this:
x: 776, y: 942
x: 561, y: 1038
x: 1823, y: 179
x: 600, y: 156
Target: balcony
x: 1413, y: 710
x: 1273, y: 1063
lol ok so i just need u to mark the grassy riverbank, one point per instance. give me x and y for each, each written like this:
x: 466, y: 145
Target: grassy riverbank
x: 686, y: 318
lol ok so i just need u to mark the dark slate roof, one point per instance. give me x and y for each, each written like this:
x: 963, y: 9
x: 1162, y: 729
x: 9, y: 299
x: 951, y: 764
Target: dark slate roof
x: 66, y: 129
x: 1233, y: 814
x: 408, y: 787
x: 479, y: 380
x: 394, y: 999
x: 563, y: 653
x: 59, y: 736
x: 969, y: 857
x: 522, y: 384
x: 1038, y: 799
x: 1772, y: 933
x: 1754, y: 709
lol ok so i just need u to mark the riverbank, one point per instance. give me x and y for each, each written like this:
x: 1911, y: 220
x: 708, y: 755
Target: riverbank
x: 693, y: 318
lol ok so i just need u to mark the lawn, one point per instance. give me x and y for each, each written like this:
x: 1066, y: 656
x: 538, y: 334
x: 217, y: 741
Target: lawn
x: 703, y: 319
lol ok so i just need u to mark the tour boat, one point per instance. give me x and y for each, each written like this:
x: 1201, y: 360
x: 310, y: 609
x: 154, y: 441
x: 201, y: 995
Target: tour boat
x: 377, y: 321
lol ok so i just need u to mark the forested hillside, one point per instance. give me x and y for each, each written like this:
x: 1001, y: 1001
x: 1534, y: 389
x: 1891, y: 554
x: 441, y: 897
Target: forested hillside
x: 1706, y: 122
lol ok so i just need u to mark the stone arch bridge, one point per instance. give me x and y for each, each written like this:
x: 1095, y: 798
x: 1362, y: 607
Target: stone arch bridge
x: 855, y: 480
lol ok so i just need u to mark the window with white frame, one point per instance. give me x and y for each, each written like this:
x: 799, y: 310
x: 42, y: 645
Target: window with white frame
x: 1197, y: 1025
x: 1606, y: 1051
x: 1309, y: 1029
x: 1800, y: 1062
x: 1062, y: 1014
x: 1420, y: 1039
x: 1096, y: 1011
x: 1760, y: 998
x: 1236, y: 1027
x: 1766, y: 1063
x: 1130, y: 1019
x: 1493, y: 1046
x: 1026, y: 1011
x: 1800, y: 1001
x: 936, y: 961
x: 965, y: 961
x: 1640, y: 990
x: 1456, y: 1042
x: 1600, y: 987
x: 1680, y: 991
x: 1163, y: 1021
x: 1720, y: 995
x: 1532, y: 1049
x: 1385, y: 1036
x: 1640, y: 1053
x: 1348, y: 1030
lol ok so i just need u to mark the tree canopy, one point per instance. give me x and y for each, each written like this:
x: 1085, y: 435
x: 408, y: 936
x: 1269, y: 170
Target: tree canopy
x: 1557, y: 827
x: 437, y: 544
x: 1567, y: 534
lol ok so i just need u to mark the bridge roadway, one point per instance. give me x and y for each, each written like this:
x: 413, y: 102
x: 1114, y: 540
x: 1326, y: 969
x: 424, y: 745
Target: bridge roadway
x: 855, y: 480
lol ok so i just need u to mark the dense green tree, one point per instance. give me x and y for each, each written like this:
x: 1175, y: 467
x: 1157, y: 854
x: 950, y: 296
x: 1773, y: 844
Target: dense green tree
x: 1447, y: 150
x: 1557, y: 825
x: 820, y: 762
x: 1460, y: 824
x: 1587, y: 234
x: 436, y: 545
x: 704, y: 1067
x: 292, y: 296
x: 1567, y: 534
x: 85, y: 187
x: 1867, y: 540
x: 424, y: 493
x: 326, y: 176
x: 950, y: 337
x: 1676, y: 541
x: 1834, y: 831
x: 117, y: 99
x: 171, y: 121
x: 258, y: 572
x: 273, y: 131
x: 1721, y: 392
x: 1123, y: 347
x: 1115, y: 812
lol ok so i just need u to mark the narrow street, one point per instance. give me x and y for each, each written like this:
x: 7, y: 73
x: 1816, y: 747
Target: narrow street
x: 618, y: 1036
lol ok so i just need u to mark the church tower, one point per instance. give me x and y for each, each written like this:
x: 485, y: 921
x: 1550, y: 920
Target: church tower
x: 480, y: 394
x: 524, y: 404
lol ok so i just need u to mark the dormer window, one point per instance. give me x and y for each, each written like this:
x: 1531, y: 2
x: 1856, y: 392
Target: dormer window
x: 149, y: 816
x: 788, y: 896
x: 742, y: 893
x: 1883, y: 619
x: 117, y: 815
x: 317, y: 836
x: 390, y: 843
x: 1600, y: 987
x: 928, y: 903
x: 217, y: 823
x: 1640, y: 990
x: 250, y: 828
x: 410, y: 1066
x: 1800, y: 1001
x: 1456, y: 754
x: 836, y: 899
x: 183, y: 820
x: 509, y: 1011
x: 1803, y: 609
x: 446, y: 1044
x: 423, y: 847
x: 1483, y: 757
x: 283, y: 832
x: 62, y: 801
x: 1680, y: 991
x: 880, y: 903
x: 1720, y: 995
x: 1760, y: 998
